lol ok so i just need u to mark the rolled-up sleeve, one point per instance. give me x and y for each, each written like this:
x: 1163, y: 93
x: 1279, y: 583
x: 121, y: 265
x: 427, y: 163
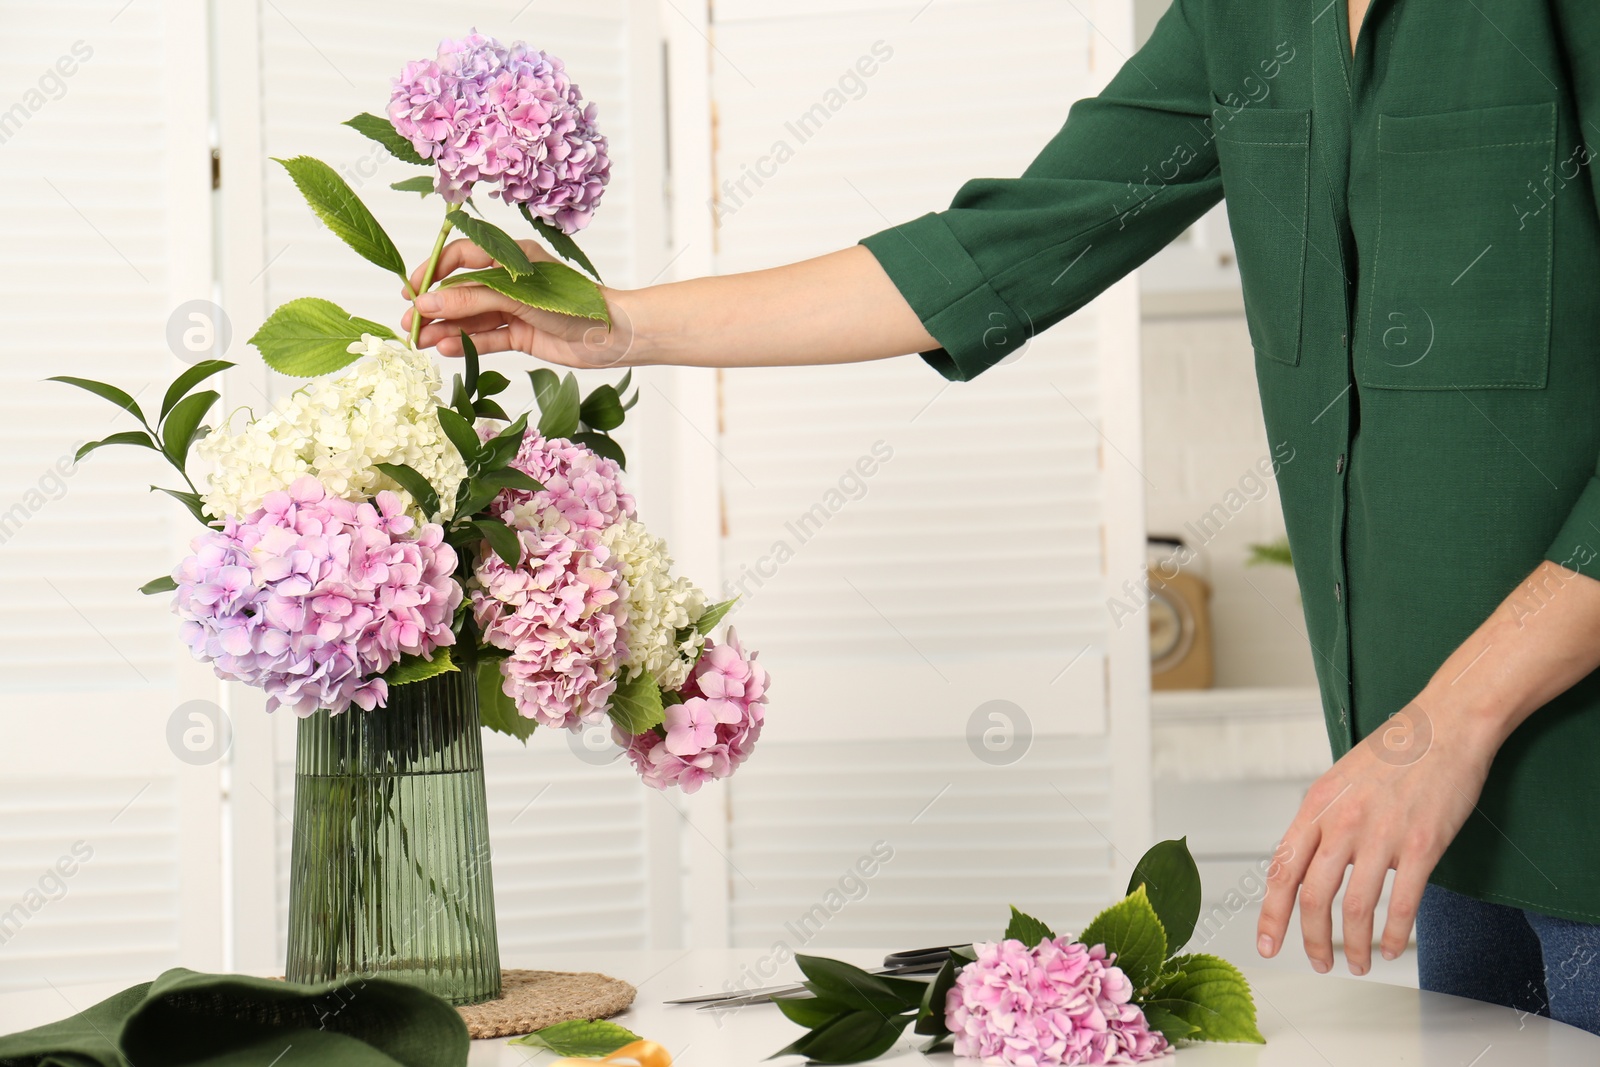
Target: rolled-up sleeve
x: 1130, y: 170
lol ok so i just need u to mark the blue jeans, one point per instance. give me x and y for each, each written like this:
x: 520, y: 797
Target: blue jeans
x: 1524, y: 960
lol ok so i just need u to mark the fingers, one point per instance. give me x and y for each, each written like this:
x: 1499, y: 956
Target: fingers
x: 440, y: 334
x: 460, y: 303
x: 1323, y: 877
x: 500, y: 340
x: 458, y: 254
x: 1283, y: 882
x: 1410, y: 878
x: 1360, y: 899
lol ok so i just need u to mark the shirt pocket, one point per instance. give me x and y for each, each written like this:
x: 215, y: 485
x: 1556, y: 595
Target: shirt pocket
x: 1265, y: 155
x: 1459, y: 296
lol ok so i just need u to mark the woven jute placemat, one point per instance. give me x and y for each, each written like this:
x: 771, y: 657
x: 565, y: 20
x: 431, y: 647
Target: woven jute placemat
x: 532, y: 1000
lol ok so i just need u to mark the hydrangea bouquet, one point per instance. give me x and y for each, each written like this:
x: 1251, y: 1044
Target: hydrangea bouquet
x: 368, y: 533
x: 1118, y: 993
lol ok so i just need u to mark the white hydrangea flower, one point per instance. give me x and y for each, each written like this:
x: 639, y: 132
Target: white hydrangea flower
x: 658, y: 606
x: 382, y: 409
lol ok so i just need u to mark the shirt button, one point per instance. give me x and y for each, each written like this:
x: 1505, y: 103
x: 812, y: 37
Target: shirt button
x: 1343, y: 719
x: 1338, y: 592
x: 1343, y: 338
x: 1338, y: 466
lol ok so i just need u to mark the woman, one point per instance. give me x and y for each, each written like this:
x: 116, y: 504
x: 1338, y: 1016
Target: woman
x: 1417, y: 233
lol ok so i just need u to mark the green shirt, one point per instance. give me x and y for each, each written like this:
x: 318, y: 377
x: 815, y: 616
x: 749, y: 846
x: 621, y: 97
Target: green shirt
x: 1418, y: 242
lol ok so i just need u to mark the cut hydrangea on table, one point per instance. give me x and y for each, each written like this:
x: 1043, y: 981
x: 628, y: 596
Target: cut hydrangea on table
x: 1118, y: 993
x: 366, y: 532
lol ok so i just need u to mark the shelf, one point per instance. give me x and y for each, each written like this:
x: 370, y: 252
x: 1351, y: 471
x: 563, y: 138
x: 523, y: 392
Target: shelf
x: 1185, y: 705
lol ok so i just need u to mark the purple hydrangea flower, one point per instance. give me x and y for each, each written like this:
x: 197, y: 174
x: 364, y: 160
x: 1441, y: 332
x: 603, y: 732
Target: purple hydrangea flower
x: 311, y: 597
x: 1059, y: 1002
x: 508, y: 116
x: 711, y: 732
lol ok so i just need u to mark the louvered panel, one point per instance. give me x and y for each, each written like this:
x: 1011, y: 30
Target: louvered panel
x: 89, y: 878
x: 967, y: 565
x: 98, y: 241
x: 948, y: 842
x: 68, y: 602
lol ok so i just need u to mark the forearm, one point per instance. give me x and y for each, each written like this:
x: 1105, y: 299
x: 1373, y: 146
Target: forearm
x: 1540, y: 641
x: 837, y: 308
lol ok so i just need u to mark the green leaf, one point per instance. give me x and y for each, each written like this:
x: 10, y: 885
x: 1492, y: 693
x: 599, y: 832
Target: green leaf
x: 409, y: 668
x: 188, y: 500
x: 550, y: 286
x: 420, y: 184
x: 342, y: 211
x: 498, y: 711
x: 1172, y: 882
x: 544, y: 381
x: 477, y: 496
x: 853, y: 1037
x: 1027, y: 929
x: 189, y: 379
x: 1130, y: 929
x: 714, y: 614
x: 502, y: 538
x: 580, y: 1037
x: 310, y: 336
x: 603, y: 445
x: 469, y: 353
x: 511, y: 478
x: 810, y: 1012
x: 1210, y: 995
x: 163, y: 584
x: 125, y: 437
x: 851, y: 985
x: 492, y: 383
x: 622, y: 386
x: 1171, y: 1026
x: 461, y: 434
x: 412, y: 481
x: 488, y: 409
x: 636, y: 704
x: 105, y: 392
x: 558, y: 403
x: 382, y: 130
x: 502, y: 448
x: 500, y: 245
x: 930, y: 1016
x: 179, y: 430
x: 557, y: 239
x: 602, y: 409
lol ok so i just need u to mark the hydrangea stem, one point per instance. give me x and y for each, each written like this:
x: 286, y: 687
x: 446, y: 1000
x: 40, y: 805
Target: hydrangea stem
x: 433, y: 265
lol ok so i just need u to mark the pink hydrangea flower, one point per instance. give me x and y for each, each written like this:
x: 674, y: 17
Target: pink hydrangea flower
x: 582, y: 490
x: 1060, y: 1002
x: 311, y: 597
x: 712, y: 730
x: 553, y: 613
x: 508, y: 116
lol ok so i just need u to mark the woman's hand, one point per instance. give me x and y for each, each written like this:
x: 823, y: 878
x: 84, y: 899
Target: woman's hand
x: 1395, y: 801
x: 1398, y: 799
x: 496, y: 322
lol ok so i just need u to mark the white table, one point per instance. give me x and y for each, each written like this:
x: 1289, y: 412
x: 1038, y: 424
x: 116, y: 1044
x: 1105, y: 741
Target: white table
x: 1308, y: 1020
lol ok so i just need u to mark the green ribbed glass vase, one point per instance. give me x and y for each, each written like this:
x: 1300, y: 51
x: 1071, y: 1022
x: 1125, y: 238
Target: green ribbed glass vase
x: 390, y: 872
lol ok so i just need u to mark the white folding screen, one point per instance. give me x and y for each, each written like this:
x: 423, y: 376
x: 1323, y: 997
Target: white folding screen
x: 947, y: 547
x: 108, y: 818
x: 927, y: 563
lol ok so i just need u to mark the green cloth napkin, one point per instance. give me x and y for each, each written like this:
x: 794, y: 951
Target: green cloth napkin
x: 229, y: 1020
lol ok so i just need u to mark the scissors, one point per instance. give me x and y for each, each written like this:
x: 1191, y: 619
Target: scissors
x: 912, y: 962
